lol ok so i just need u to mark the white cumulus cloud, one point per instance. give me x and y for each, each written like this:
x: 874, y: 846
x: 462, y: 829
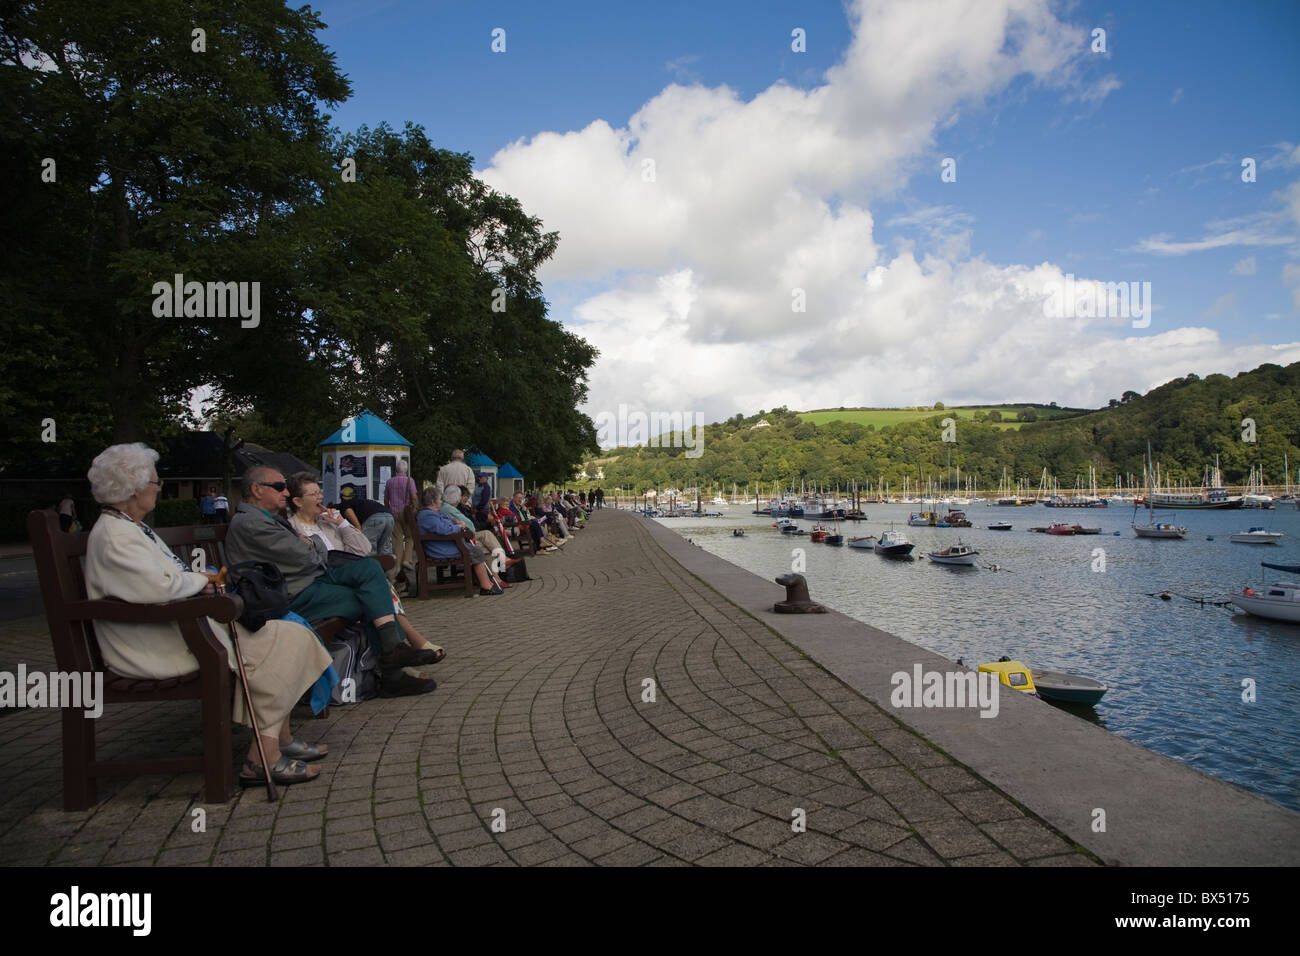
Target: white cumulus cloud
x: 734, y: 240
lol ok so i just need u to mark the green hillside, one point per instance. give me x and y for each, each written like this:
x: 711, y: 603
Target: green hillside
x: 1187, y: 421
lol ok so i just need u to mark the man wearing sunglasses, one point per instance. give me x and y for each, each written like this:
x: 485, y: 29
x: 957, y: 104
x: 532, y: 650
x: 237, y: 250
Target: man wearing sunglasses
x: 357, y: 589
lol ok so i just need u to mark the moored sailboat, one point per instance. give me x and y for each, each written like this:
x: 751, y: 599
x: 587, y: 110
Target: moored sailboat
x: 1152, y: 529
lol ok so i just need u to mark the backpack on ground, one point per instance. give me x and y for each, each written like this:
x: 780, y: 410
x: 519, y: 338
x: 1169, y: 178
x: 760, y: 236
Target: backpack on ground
x: 357, y: 666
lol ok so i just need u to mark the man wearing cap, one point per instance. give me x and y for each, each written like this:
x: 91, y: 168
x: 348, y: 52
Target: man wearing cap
x: 482, y: 494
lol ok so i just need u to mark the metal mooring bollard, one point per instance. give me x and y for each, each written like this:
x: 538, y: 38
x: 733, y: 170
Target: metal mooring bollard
x: 796, y: 600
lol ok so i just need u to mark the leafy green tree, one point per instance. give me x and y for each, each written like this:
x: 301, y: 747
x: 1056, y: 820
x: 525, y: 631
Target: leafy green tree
x: 389, y: 277
x: 167, y: 160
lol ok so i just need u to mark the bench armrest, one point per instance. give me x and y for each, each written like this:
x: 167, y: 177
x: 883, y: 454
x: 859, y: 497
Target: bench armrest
x: 458, y: 538
x: 221, y: 607
x: 190, y: 615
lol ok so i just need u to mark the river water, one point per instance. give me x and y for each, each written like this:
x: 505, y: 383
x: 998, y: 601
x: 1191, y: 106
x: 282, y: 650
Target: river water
x: 1176, y: 669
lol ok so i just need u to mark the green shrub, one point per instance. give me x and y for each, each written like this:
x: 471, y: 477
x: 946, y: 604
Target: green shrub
x: 175, y: 513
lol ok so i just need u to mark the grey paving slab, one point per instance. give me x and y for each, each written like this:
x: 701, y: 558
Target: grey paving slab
x: 539, y: 714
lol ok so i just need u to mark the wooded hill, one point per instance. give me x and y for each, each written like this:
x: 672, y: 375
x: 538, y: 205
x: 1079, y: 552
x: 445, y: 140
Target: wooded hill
x: 1187, y: 421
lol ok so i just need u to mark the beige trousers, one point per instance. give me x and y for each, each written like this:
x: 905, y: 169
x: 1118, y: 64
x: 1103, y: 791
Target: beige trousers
x: 403, y: 549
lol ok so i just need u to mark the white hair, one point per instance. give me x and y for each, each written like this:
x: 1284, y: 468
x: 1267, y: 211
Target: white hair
x: 452, y: 495
x: 402, y: 466
x: 119, y: 471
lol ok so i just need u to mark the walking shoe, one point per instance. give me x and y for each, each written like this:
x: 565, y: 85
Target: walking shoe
x: 492, y: 590
x: 398, y: 683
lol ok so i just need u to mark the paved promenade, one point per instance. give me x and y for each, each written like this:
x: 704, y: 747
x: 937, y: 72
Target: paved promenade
x: 542, y: 720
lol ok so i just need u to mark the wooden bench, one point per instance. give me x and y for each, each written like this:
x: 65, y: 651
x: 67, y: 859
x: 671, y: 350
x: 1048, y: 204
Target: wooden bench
x: 71, y: 615
x: 423, y: 563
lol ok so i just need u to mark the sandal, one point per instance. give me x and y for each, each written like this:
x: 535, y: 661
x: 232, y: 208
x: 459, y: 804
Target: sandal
x: 424, y: 656
x: 284, y: 772
x: 301, y: 750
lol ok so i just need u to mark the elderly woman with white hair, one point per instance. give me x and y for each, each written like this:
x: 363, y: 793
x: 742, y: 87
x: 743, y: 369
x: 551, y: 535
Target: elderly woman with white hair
x: 126, y: 560
x: 432, y: 520
x: 452, y: 498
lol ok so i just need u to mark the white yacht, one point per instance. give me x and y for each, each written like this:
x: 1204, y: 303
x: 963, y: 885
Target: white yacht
x: 1256, y: 536
x: 1279, y: 602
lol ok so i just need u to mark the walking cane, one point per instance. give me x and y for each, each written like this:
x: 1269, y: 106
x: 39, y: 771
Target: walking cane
x: 272, y: 794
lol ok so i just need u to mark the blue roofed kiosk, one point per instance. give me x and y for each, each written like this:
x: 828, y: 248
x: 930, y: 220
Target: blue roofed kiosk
x: 358, y: 458
x: 511, y: 480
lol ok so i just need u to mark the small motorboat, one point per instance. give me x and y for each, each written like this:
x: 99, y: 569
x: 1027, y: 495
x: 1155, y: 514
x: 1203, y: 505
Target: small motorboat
x: 818, y: 534
x: 960, y: 555
x: 1067, y: 688
x: 781, y: 524
x: 1278, y: 602
x: 866, y: 543
x: 1255, y: 536
x: 1000, y: 526
x: 737, y: 533
x: 894, y: 544
x: 1012, y: 673
x: 1061, y: 528
x: 922, y: 519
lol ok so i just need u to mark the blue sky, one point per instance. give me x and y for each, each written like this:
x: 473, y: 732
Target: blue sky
x: 819, y: 171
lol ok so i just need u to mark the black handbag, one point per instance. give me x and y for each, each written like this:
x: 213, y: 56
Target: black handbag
x: 516, y: 573
x: 262, y: 588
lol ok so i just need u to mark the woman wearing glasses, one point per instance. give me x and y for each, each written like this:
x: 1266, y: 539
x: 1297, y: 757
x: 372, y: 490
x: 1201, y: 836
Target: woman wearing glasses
x: 310, y: 518
x: 126, y: 560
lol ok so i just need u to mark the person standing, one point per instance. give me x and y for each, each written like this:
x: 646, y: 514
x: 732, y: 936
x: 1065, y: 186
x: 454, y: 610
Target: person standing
x: 455, y: 472
x: 373, y: 520
x: 207, y: 508
x: 221, y: 504
x: 403, y: 499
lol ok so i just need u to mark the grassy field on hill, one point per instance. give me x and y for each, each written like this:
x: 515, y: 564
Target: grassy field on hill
x: 880, y: 417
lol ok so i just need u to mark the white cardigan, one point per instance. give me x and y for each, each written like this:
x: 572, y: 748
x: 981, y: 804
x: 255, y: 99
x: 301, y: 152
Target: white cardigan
x: 121, y: 562
x: 343, y: 538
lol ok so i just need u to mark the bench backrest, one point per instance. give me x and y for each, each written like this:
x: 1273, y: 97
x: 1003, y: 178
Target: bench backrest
x: 59, y: 556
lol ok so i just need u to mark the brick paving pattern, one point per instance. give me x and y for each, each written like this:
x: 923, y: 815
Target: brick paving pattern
x: 539, y: 723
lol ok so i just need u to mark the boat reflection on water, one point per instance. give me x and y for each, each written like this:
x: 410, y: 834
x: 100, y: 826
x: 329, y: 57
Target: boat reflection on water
x: 1082, y: 711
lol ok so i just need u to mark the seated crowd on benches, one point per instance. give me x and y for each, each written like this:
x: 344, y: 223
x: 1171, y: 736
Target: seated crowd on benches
x: 323, y: 554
